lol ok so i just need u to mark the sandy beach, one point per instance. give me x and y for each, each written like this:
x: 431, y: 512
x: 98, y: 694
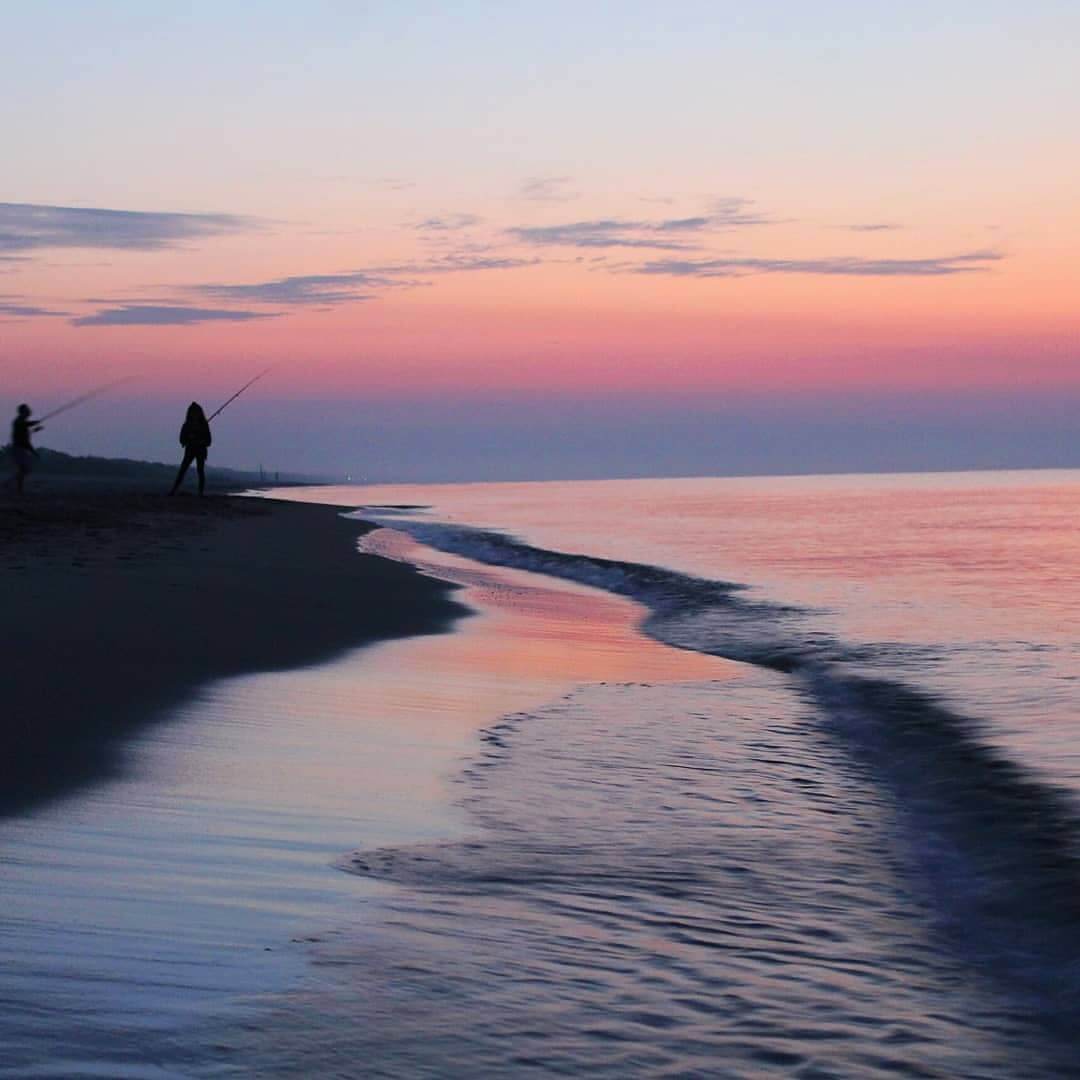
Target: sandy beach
x: 184, y: 800
x: 119, y: 603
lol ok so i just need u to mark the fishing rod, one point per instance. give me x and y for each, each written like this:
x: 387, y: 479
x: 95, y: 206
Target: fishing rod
x: 85, y: 397
x: 250, y: 382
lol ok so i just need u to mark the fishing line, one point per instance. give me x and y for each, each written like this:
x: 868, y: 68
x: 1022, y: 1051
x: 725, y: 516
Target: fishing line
x: 250, y: 382
x: 98, y: 390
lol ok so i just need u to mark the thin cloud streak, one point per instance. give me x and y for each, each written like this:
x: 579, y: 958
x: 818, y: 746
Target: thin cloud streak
x: 13, y: 307
x: 326, y: 290
x: 323, y: 289
x: 609, y: 233
x: 33, y: 227
x: 687, y: 224
x: 320, y: 291
x: 549, y: 189
x: 734, y: 211
x: 848, y: 266
x: 457, y: 264
x: 166, y: 315
x: 728, y: 213
x: 448, y: 223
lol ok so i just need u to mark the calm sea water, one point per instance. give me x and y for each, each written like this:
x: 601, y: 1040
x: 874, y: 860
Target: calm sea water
x: 755, y: 777
x: 857, y: 858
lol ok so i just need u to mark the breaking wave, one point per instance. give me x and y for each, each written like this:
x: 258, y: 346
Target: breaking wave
x: 996, y: 847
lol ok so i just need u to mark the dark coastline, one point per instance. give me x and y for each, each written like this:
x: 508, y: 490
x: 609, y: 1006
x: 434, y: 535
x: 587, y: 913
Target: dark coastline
x: 118, y: 606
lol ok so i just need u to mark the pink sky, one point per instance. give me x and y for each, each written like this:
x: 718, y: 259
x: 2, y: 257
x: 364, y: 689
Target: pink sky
x: 891, y: 209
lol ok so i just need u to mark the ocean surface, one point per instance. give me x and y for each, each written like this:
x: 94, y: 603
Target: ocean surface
x: 727, y: 777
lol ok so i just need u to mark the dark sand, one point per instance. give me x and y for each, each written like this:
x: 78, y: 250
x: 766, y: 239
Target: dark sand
x: 117, y: 605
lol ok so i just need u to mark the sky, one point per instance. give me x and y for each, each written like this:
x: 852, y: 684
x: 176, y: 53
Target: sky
x: 541, y: 240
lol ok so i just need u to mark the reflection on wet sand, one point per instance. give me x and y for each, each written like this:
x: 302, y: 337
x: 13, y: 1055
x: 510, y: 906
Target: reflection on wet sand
x: 207, y: 870
x: 539, y: 635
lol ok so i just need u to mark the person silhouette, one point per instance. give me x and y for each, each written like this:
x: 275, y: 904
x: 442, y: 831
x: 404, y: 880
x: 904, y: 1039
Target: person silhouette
x: 195, y: 438
x: 22, y: 450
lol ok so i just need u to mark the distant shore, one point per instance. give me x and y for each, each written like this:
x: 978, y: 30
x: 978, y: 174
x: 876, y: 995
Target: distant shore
x: 119, y: 604
x: 54, y: 467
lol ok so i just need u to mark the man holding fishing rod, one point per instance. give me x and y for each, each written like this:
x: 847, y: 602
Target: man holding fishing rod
x: 22, y: 450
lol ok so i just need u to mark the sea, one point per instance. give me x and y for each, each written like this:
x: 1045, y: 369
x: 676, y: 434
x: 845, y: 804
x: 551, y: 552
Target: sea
x: 723, y: 777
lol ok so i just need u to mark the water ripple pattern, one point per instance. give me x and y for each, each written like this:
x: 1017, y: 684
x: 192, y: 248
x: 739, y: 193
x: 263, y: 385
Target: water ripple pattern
x: 663, y: 883
x: 989, y: 849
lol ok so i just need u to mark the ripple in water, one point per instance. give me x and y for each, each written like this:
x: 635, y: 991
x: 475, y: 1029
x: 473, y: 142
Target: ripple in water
x: 689, y: 880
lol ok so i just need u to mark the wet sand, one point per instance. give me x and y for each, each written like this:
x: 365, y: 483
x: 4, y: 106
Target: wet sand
x: 119, y: 604
x: 158, y: 922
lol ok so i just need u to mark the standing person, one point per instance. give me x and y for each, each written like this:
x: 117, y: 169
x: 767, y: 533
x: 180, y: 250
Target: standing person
x: 195, y: 438
x: 22, y: 450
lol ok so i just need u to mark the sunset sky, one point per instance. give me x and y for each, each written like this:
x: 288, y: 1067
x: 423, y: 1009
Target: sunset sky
x: 548, y: 239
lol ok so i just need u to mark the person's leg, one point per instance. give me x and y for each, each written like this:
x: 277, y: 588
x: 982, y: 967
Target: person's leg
x: 21, y: 459
x: 188, y: 456
x: 200, y: 465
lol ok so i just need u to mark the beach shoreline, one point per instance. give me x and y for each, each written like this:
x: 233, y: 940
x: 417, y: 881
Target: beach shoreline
x: 119, y: 605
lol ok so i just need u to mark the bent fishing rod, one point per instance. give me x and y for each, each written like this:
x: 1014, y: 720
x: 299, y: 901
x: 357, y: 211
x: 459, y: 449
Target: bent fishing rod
x: 98, y: 390
x: 250, y: 382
